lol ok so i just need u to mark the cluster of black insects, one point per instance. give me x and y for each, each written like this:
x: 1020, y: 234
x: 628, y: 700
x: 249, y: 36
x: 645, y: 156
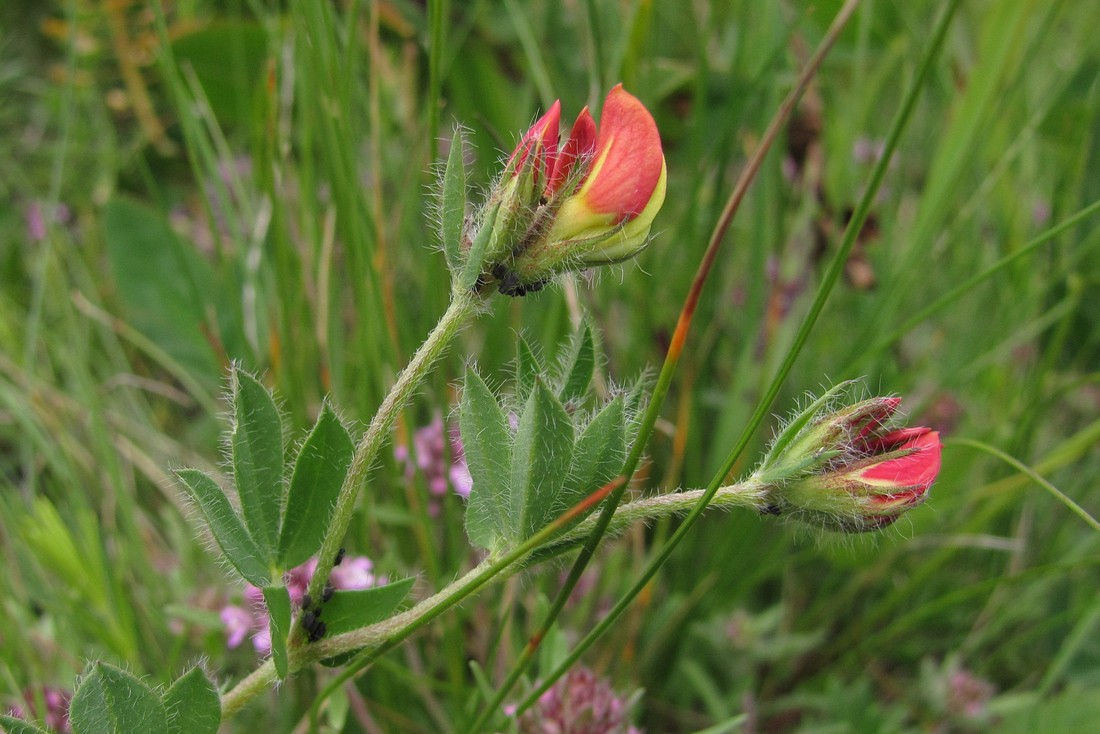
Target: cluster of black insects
x: 311, y: 613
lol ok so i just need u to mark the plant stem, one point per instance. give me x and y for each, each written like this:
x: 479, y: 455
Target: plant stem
x: 389, y: 632
x: 464, y: 305
x: 672, y: 357
x: 855, y: 225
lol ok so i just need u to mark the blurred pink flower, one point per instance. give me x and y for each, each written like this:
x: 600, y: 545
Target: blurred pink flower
x: 57, y: 708
x: 579, y: 703
x: 356, y: 572
x: 437, y: 454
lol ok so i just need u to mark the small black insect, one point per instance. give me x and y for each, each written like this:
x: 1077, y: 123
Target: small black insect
x: 307, y: 601
x: 339, y: 557
x: 312, y: 624
x: 327, y: 593
x: 316, y: 632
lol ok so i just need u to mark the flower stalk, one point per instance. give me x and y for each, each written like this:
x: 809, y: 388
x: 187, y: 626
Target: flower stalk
x: 463, y: 307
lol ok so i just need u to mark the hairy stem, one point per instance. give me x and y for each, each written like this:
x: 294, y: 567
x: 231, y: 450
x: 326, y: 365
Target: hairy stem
x: 383, y: 635
x: 463, y: 306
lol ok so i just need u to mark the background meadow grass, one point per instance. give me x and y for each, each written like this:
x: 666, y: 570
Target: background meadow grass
x: 189, y: 183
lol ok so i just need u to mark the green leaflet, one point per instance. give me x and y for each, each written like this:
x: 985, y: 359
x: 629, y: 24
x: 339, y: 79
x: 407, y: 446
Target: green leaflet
x: 257, y: 447
x: 12, y: 725
x: 347, y: 611
x: 192, y: 704
x: 599, y: 453
x: 579, y: 365
x: 277, y: 599
x: 488, y: 446
x: 227, y: 528
x: 541, y: 459
x: 475, y: 259
x: 111, y: 701
x: 528, y: 368
x: 319, y: 472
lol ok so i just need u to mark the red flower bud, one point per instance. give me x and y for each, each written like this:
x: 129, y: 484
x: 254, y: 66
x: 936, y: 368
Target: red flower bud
x: 589, y: 201
x: 850, y: 471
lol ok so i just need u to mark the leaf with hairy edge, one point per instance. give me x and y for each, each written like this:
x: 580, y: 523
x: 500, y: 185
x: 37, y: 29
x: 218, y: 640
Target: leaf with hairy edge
x: 599, y: 453
x: 319, y: 472
x: 111, y: 701
x: 277, y: 599
x: 226, y: 527
x: 487, y: 443
x: 192, y: 704
x: 12, y: 725
x: 350, y: 610
x: 453, y: 214
x: 475, y: 257
x: 579, y: 366
x: 257, y: 443
x: 528, y: 368
x: 540, y: 462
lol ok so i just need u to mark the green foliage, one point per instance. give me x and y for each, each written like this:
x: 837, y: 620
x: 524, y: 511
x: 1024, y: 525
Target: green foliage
x: 578, y: 366
x: 542, y: 453
x: 288, y: 232
x: 475, y: 258
x: 555, y: 457
x: 12, y: 725
x: 350, y: 610
x: 277, y: 600
x: 111, y: 701
x: 257, y: 449
x: 319, y: 473
x: 488, y: 447
x: 162, y: 284
x: 227, y: 60
x: 192, y: 704
x: 283, y: 522
x: 225, y: 524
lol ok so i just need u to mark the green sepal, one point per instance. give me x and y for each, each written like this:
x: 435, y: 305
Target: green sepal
x: 319, y: 472
x: 277, y: 599
x: 226, y: 526
x: 475, y: 258
x: 257, y: 447
x: 541, y: 458
x: 795, y: 428
x: 192, y: 704
x: 487, y: 444
x: 453, y: 204
x: 109, y: 700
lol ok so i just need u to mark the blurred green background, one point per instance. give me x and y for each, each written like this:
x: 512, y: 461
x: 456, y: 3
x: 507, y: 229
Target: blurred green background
x: 187, y: 183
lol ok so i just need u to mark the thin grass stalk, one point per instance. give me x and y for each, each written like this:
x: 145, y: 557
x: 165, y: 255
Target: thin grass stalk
x: 672, y: 359
x: 836, y: 266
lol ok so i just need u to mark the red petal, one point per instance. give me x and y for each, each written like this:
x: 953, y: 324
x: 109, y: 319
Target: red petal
x: 543, y: 134
x: 629, y: 158
x: 918, y: 469
x: 581, y: 142
x: 893, y: 440
x: 870, y: 422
